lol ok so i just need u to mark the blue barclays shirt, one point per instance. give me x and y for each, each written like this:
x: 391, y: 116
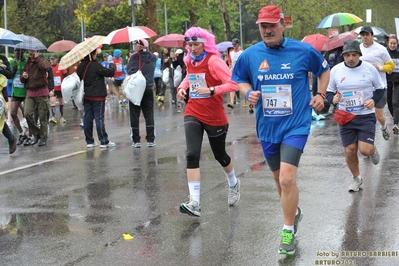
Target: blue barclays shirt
x: 281, y: 75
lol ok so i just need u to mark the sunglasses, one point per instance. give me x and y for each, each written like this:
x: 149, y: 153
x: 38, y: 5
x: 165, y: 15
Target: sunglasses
x: 194, y: 39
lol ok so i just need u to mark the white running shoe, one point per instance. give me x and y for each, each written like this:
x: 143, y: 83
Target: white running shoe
x: 234, y: 193
x: 92, y: 145
x: 356, y: 185
x: 109, y: 145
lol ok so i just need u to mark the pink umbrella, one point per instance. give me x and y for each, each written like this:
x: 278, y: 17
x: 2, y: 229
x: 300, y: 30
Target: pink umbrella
x: 171, y: 40
x: 338, y: 40
x: 129, y: 34
x: 61, y: 46
x: 316, y: 40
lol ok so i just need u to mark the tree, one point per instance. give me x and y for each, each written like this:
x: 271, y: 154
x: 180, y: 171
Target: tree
x: 103, y: 21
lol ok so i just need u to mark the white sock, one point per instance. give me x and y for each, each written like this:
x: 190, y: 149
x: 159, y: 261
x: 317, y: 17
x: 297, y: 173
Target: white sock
x: 195, y: 188
x: 358, y: 177
x: 383, y: 127
x: 289, y: 227
x: 231, y: 178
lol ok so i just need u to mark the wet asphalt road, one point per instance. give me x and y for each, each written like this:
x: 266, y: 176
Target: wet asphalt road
x: 64, y: 204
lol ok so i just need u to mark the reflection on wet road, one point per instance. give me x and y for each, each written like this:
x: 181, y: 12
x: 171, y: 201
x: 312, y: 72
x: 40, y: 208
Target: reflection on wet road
x: 66, y: 205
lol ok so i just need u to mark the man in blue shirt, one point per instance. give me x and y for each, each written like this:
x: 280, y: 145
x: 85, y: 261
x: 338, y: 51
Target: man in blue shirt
x: 273, y: 75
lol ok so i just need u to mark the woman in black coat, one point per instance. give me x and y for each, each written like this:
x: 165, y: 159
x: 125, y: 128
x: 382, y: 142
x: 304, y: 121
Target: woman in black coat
x: 95, y: 94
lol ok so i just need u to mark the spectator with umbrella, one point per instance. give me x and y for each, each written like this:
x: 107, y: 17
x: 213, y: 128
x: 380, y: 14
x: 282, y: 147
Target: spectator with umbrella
x: 145, y: 61
x: 34, y: 76
x: 92, y: 73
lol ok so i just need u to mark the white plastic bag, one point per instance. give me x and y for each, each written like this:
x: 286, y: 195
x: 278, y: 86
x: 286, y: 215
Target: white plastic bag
x: 165, y: 75
x: 80, y: 95
x: 2, y: 104
x: 134, y: 86
x: 70, y: 87
x: 177, y: 76
x: 2, y: 111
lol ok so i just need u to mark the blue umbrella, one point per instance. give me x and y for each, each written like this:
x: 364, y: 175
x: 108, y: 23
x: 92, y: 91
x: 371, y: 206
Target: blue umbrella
x: 30, y: 43
x: 223, y: 46
x: 8, y: 38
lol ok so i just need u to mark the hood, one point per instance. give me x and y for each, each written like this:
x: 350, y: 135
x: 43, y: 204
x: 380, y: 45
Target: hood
x: 147, y: 57
x: 117, y: 52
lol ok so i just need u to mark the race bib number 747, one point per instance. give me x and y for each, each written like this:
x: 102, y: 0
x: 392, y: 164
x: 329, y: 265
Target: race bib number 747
x: 276, y: 100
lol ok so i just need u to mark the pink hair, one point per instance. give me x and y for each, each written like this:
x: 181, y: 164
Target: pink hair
x: 209, y: 45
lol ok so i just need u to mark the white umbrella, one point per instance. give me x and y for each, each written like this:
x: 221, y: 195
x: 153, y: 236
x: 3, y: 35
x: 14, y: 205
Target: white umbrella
x: 376, y: 31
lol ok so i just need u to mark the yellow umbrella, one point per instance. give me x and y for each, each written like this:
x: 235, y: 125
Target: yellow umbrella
x: 80, y: 51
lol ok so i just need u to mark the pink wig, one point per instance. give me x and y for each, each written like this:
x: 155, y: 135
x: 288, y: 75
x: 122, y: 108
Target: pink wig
x: 209, y: 45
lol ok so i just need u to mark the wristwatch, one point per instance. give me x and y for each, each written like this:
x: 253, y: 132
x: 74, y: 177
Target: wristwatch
x: 212, y: 90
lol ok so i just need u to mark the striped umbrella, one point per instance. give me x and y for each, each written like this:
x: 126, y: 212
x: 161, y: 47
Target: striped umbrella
x: 80, y: 51
x: 129, y: 34
x: 30, y: 43
x: 339, y: 19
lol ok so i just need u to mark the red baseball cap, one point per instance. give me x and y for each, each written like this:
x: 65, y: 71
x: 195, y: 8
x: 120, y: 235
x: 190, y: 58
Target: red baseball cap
x: 270, y: 14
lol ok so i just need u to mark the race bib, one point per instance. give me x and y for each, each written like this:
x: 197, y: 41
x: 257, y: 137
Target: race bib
x: 276, y: 100
x: 353, y: 100
x: 17, y: 82
x: 57, y: 81
x: 118, y: 67
x: 197, y: 80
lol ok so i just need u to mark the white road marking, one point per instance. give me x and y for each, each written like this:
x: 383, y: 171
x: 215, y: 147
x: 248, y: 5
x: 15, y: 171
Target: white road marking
x: 41, y: 162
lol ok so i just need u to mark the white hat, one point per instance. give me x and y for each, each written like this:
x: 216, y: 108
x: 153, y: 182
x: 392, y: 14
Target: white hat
x: 142, y: 42
x: 155, y: 53
x: 179, y: 51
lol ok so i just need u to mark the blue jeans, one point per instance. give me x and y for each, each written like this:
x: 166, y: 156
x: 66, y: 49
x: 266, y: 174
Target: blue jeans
x: 94, y: 110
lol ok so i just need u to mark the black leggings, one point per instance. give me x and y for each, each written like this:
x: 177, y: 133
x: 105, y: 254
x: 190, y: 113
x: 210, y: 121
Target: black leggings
x: 393, y: 100
x: 194, y: 130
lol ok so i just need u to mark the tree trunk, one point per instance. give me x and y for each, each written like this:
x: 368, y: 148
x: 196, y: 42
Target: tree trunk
x: 151, y: 15
x: 226, y: 21
x: 193, y: 17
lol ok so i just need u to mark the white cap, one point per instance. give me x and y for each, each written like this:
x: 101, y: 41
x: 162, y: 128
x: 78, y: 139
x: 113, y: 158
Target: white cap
x: 179, y: 51
x: 155, y: 53
x: 142, y: 42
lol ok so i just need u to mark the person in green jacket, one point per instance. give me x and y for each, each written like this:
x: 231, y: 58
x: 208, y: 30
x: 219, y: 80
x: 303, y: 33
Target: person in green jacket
x: 18, y: 93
